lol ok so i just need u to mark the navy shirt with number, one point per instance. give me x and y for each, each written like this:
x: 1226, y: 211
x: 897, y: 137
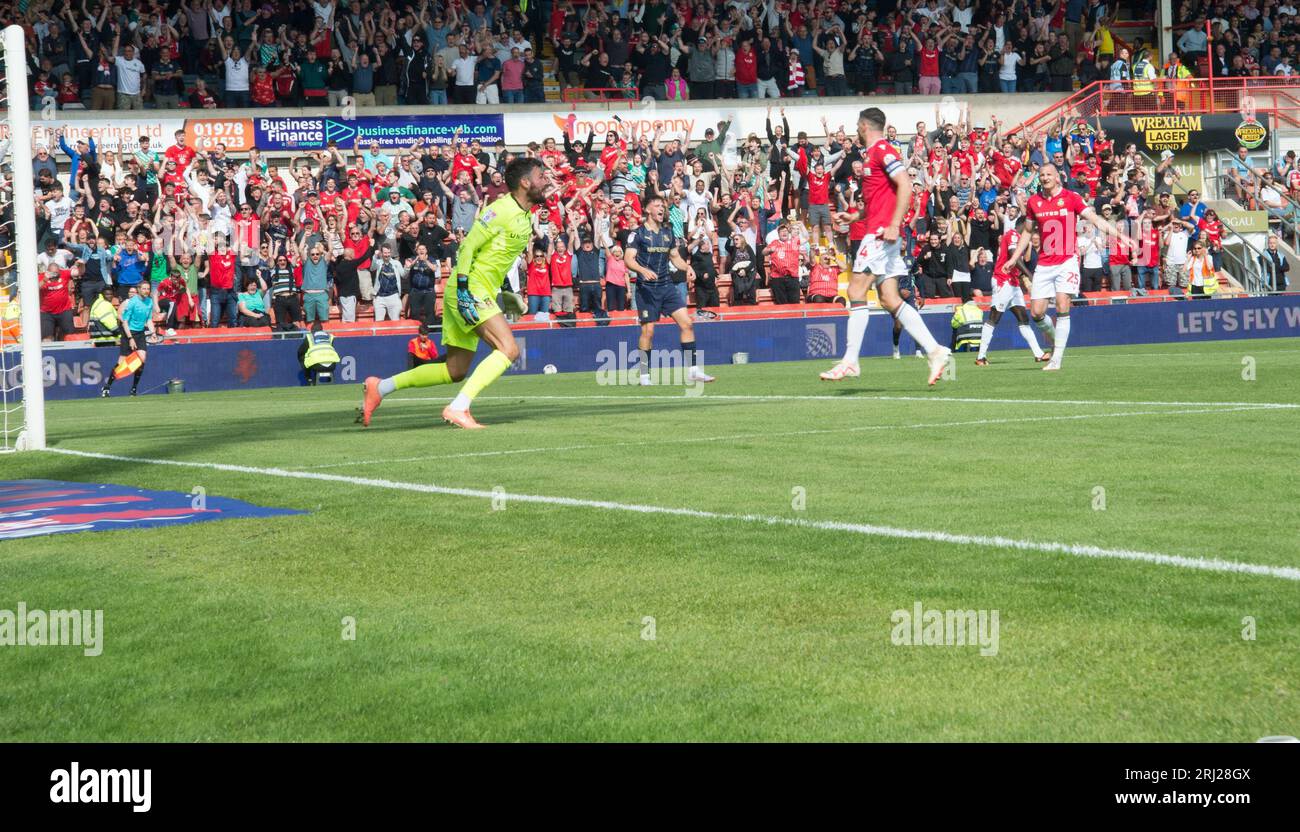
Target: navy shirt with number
x: 653, y: 249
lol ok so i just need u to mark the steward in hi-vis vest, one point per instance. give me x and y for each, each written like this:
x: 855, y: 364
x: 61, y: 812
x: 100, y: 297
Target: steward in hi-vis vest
x: 317, y: 353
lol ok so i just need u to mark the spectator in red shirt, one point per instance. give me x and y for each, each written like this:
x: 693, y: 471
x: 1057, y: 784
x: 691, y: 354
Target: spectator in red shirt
x: 819, y: 201
x: 56, y: 303
x: 783, y: 273
x: 747, y: 71
x: 824, y: 281
x: 929, y: 83
x: 539, y: 283
x: 421, y: 349
x: 561, y: 278
x: 1211, y: 228
x: 222, y: 296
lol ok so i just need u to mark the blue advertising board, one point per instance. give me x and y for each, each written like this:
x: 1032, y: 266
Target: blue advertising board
x: 79, y: 372
x: 315, y: 132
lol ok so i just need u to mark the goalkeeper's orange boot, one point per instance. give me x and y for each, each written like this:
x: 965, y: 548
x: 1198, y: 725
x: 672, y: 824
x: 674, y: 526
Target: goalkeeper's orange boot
x: 460, y: 418
x: 371, y: 400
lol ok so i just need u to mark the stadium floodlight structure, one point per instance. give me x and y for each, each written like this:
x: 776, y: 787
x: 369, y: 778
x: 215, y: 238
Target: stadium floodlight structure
x: 22, y: 388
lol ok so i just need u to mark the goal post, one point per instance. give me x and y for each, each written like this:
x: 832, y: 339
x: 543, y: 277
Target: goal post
x: 27, y: 380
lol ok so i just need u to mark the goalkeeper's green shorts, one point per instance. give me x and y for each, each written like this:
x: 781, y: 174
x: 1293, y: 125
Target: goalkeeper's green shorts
x: 456, y: 332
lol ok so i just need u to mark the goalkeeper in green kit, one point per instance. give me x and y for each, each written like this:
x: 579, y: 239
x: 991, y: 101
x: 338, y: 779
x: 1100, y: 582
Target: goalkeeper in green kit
x: 500, y: 234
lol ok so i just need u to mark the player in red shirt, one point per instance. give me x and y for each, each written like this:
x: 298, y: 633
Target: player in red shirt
x: 887, y: 195
x: 1007, y: 293
x: 1056, y: 212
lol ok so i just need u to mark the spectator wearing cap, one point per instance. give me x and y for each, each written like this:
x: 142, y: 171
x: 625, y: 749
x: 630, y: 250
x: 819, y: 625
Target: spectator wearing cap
x: 588, y: 271
x: 701, y: 68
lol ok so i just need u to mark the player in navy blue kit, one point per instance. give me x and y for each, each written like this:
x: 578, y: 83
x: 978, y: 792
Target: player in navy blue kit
x: 651, y: 253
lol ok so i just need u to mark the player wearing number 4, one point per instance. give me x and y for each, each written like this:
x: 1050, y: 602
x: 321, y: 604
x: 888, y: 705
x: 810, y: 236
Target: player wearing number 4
x: 886, y: 195
x: 1057, y: 212
x: 499, y: 235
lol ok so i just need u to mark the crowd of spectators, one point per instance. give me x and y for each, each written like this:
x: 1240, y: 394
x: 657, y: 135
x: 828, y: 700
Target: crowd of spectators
x: 219, y: 53
x: 349, y: 232
x: 360, y: 232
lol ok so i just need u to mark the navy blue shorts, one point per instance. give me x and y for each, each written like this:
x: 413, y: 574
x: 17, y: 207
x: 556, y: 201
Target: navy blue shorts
x: 656, y: 299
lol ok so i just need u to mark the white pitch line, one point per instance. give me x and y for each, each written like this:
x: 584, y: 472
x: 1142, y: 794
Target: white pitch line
x: 1181, y: 353
x: 1074, y: 549
x: 852, y: 398
x: 769, y: 435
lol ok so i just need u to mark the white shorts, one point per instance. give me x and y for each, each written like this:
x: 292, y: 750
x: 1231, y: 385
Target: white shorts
x: 1050, y: 281
x: 1007, y: 295
x: 875, y: 256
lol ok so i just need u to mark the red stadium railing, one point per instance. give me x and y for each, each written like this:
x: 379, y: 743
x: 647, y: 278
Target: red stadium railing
x: 1279, y: 96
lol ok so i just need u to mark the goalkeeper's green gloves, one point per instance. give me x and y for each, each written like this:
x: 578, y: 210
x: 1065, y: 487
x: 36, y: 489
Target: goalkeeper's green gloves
x: 465, y: 303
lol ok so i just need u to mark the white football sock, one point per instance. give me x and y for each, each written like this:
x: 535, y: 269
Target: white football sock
x: 1027, y: 332
x: 461, y: 402
x: 986, y: 335
x: 916, y: 328
x: 1044, y: 325
x: 859, y: 317
x: 386, y: 386
x: 1062, y: 335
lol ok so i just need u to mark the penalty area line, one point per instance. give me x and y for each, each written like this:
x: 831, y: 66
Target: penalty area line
x: 1073, y: 549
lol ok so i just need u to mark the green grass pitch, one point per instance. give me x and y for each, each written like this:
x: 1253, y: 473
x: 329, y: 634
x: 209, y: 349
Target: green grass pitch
x: 507, y: 619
